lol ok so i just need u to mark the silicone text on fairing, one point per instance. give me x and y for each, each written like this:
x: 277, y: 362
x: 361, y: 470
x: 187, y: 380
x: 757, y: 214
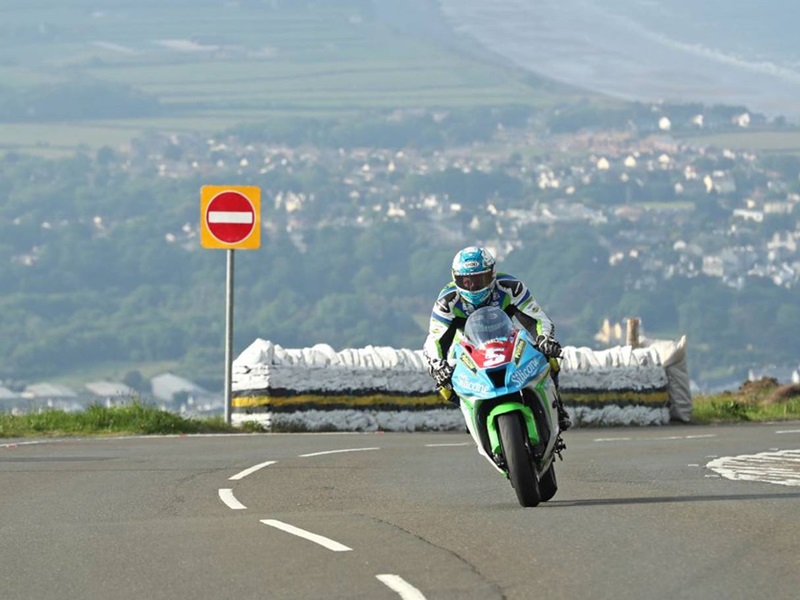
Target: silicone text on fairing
x: 521, y: 376
x: 470, y: 385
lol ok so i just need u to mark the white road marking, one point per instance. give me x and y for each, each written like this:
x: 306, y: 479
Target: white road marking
x: 337, y: 451
x: 14, y: 445
x: 226, y: 495
x: 655, y: 439
x: 692, y: 465
x: 222, y: 216
x: 312, y: 537
x: 788, y: 431
x: 251, y: 470
x: 781, y: 468
x: 401, y: 586
x: 447, y: 445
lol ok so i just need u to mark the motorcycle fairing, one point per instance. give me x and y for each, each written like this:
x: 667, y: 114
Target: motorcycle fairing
x: 507, y: 407
x: 514, y: 364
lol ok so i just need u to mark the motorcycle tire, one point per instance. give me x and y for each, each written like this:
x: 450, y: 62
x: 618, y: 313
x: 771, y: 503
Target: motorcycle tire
x: 548, y: 486
x: 515, y: 451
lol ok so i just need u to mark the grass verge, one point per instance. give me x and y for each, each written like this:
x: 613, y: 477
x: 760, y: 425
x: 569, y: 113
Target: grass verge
x: 757, y: 401
x: 131, y: 419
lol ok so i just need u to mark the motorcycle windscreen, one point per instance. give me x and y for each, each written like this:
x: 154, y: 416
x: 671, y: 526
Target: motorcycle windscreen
x: 486, y: 324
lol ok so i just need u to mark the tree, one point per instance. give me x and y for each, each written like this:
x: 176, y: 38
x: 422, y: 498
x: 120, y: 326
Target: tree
x: 135, y: 380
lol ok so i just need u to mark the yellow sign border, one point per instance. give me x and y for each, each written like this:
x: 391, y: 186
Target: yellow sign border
x: 252, y: 193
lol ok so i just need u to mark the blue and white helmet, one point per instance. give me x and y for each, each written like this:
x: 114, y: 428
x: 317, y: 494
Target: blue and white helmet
x: 473, y: 274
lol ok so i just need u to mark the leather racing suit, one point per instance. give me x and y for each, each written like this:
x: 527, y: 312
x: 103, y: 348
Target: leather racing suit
x: 450, y: 314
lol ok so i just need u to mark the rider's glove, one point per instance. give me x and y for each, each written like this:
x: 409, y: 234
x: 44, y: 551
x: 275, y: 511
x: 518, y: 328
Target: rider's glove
x: 441, y: 372
x: 549, y: 346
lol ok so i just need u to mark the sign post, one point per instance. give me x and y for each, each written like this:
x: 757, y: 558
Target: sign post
x: 230, y: 219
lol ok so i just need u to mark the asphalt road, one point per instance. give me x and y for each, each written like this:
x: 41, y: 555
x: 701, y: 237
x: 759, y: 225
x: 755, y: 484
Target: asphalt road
x: 639, y: 514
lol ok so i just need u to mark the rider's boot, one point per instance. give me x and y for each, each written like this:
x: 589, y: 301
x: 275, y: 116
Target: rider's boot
x: 564, y: 422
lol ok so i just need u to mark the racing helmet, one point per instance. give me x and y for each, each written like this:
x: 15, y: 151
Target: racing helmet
x: 473, y: 274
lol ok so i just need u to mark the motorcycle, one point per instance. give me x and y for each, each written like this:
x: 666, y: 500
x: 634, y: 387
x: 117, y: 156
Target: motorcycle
x: 509, y: 402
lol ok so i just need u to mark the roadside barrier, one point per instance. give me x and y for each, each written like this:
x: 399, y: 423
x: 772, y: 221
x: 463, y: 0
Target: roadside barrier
x: 382, y: 388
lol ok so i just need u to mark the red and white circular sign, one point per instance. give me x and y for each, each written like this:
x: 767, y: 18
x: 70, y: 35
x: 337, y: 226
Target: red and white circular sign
x: 230, y: 217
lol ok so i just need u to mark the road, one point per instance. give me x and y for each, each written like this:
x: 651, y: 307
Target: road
x: 639, y: 514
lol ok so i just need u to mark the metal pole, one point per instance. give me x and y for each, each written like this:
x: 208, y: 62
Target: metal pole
x: 228, y: 336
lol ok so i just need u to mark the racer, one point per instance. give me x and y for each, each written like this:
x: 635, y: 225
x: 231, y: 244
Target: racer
x: 475, y: 284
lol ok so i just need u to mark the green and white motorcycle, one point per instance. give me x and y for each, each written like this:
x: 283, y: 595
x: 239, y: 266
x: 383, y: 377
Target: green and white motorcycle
x: 509, y: 402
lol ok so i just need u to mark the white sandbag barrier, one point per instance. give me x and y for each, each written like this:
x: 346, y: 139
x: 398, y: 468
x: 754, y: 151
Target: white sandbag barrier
x: 381, y: 388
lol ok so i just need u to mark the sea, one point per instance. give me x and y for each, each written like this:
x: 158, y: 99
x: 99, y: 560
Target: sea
x: 733, y: 52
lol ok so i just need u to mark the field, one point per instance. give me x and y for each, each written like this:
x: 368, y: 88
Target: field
x: 212, y: 65
x: 752, y: 140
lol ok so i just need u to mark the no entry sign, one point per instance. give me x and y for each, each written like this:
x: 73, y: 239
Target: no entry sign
x: 230, y: 217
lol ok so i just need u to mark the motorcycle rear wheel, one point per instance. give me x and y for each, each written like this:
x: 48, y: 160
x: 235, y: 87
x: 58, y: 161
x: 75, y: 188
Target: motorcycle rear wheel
x: 520, y: 470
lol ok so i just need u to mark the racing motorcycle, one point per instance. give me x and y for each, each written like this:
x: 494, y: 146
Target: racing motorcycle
x: 509, y: 402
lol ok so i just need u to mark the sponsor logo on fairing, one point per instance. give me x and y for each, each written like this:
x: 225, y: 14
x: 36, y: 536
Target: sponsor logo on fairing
x: 470, y: 385
x: 521, y: 376
x: 519, y: 350
x: 468, y: 362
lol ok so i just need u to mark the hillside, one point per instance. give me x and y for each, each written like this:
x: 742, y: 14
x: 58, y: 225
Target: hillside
x: 90, y: 74
x: 607, y: 210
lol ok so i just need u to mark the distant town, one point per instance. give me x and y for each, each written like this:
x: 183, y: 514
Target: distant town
x: 707, y: 216
x: 664, y: 206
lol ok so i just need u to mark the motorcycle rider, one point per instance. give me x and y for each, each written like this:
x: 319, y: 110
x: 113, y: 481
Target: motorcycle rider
x: 475, y: 284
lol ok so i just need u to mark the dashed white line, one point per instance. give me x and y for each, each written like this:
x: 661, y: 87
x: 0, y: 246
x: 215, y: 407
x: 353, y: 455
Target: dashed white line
x: 447, y: 445
x: 337, y: 451
x: 312, y: 537
x: 401, y: 586
x: 14, y: 445
x: 226, y: 495
x: 787, y: 431
x: 656, y: 439
x: 251, y: 470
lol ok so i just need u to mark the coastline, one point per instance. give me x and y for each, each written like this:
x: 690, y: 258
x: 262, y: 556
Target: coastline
x: 425, y: 19
x: 585, y: 47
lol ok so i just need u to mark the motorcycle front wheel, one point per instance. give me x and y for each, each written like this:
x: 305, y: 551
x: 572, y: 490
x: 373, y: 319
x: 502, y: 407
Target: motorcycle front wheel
x: 548, y: 485
x: 520, y: 471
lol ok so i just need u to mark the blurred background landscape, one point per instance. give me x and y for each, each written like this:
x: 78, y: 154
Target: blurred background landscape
x: 572, y: 138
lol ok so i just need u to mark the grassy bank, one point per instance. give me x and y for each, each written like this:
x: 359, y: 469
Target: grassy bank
x: 757, y: 401
x: 132, y: 419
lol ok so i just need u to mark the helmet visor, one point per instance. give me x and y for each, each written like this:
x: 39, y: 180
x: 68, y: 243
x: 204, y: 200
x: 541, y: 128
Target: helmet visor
x: 473, y: 282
